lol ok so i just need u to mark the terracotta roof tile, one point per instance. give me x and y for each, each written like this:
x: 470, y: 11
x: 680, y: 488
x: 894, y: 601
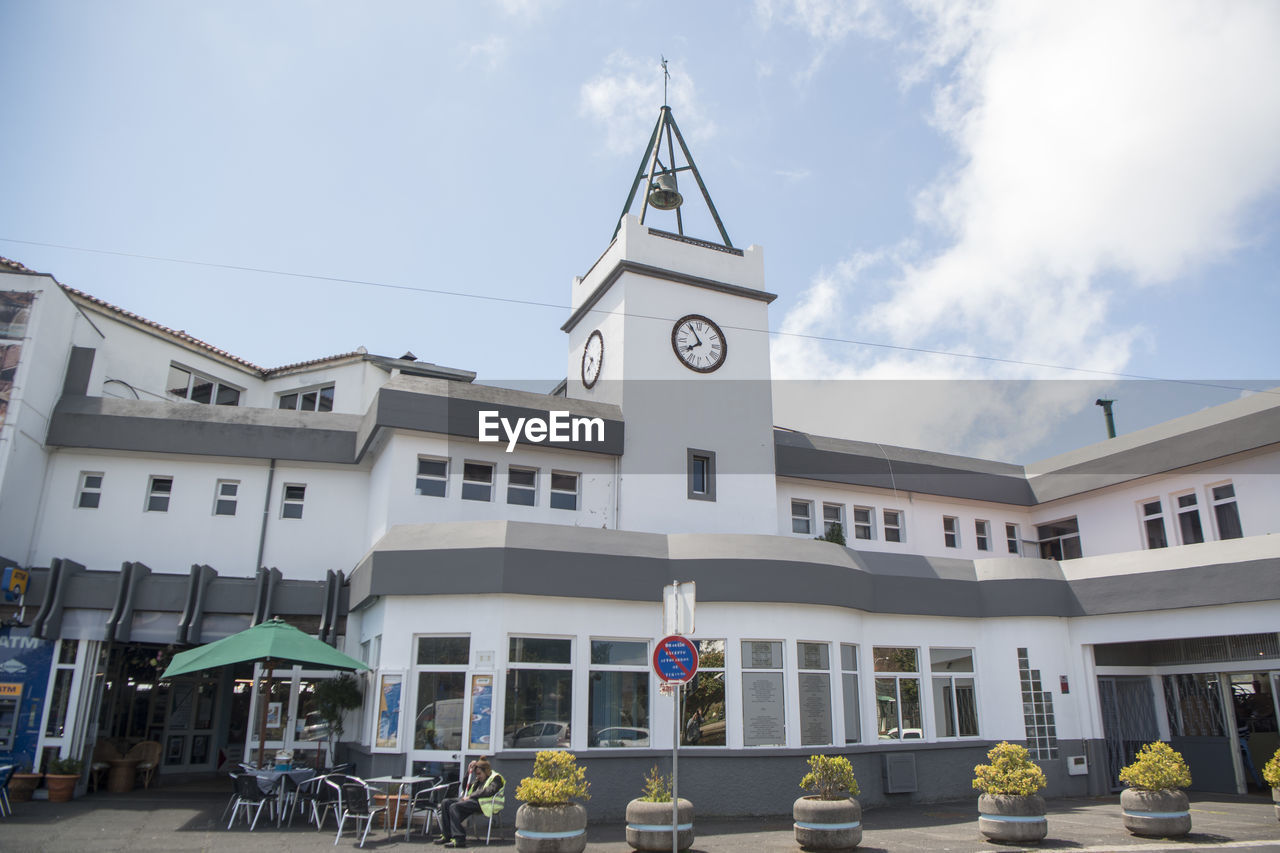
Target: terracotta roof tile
x: 13, y: 266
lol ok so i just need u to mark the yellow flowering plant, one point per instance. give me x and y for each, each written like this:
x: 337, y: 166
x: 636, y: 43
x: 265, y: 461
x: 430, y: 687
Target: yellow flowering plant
x: 1158, y: 767
x: 657, y: 787
x: 1271, y: 770
x: 557, y: 779
x: 830, y: 776
x: 1011, y: 772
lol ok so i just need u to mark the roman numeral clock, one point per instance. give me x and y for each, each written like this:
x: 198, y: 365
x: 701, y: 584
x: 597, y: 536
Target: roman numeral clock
x: 699, y: 343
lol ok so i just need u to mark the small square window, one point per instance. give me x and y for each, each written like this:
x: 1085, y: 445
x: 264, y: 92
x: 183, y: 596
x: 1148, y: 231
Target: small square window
x: 832, y: 519
x: 801, y: 517
x: 433, y: 477
x: 893, y: 527
x: 522, y: 486
x: 90, y: 493
x: 701, y: 467
x: 225, y: 497
x: 863, y: 522
x: 564, y: 490
x: 158, y: 492
x: 291, y: 505
x: 477, y: 481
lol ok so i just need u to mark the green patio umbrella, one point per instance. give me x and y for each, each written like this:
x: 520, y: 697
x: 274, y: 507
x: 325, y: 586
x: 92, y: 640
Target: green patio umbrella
x: 270, y: 643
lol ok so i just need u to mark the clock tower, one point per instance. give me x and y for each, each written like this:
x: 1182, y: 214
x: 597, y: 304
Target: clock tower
x: 674, y: 330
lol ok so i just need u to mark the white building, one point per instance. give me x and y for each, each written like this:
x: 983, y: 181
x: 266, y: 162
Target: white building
x: 165, y: 493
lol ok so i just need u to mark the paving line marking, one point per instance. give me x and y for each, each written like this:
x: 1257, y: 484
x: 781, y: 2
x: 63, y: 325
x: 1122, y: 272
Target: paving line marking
x: 1184, y: 846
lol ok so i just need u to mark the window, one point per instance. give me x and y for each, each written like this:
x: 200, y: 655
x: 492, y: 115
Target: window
x: 199, y: 388
x: 440, y: 667
x: 898, y: 714
x: 1013, y: 539
x: 618, y: 701
x: 955, y: 701
x: 90, y: 493
x: 814, y: 683
x: 849, y: 684
x: 291, y: 504
x: 763, y: 694
x: 1037, y: 711
x: 801, y: 517
x: 1225, y: 512
x: 224, y: 497
x: 893, y: 529
x: 863, y: 522
x: 477, y: 481
x: 319, y: 399
x: 433, y: 477
x: 951, y: 531
x: 701, y: 465
x: 539, y: 701
x: 703, y: 722
x: 832, y: 519
x: 1190, y: 530
x: 564, y: 490
x: 982, y: 534
x: 15, y: 313
x: 1059, y: 540
x: 158, y: 491
x: 522, y: 486
x: 1153, y: 523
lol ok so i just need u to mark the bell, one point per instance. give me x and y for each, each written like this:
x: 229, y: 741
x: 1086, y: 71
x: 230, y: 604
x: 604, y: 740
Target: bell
x: 663, y: 194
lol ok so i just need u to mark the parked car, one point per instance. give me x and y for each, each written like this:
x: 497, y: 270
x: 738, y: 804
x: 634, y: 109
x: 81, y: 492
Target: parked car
x: 541, y: 735
x: 617, y: 736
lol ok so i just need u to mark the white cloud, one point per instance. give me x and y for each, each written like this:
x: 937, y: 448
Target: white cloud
x: 624, y: 99
x: 490, y: 53
x: 527, y: 9
x: 827, y: 23
x: 1096, y: 143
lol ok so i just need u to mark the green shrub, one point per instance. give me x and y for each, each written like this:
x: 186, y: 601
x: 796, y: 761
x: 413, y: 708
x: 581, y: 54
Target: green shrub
x: 1010, y: 772
x: 556, y: 779
x: 1271, y: 770
x: 830, y: 777
x: 1158, y: 767
x: 657, y: 787
x: 65, y: 767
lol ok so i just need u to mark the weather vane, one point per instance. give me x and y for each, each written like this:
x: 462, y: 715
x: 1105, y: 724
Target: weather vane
x: 666, y: 75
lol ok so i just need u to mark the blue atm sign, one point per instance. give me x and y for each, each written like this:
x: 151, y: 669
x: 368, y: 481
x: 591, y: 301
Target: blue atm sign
x: 675, y: 659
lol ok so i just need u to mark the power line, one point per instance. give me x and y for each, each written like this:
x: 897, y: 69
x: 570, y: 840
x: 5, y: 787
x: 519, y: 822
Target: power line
x: 561, y: 307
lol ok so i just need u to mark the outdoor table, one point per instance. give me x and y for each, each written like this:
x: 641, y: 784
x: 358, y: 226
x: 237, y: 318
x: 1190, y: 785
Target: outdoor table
x: 400, y: 798
x: 268, y: 780
x: 120, y: 777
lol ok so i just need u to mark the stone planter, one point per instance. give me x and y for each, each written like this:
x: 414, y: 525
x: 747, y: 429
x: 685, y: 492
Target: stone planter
x: 551, y: 829
x: 21, y: 785
x: 1004, y: 817
x: 1156, y: 814
x: 649, y: 825
x: 1275, y: 798
x: 61, y: 788
x: 827, y: 824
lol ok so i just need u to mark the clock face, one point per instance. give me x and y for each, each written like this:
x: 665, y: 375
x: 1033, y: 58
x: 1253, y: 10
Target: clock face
x: 592, y: 358
x: 698, y: 343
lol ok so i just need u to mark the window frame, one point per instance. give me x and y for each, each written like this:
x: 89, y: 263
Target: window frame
x: 154, y: 494
x: 530, y: 490
x: 869, y: 526
x: 951, y: 531
x: 215, y: 391
x: 916, y: 675
x: 950, y: 676
x: 219, y: 498
x: 286, y: 502
x: 570, y: 669
x: 850, y: 687
x: 644, y: 668
x: 417, y: 669
x: 839, y: 519
x: 84, y: 490
x: 818, y: 671
x: 577, y: 489
x: 1145, y: 518
x: 807, y: 517
x: 300, y: 393
x: 982, y: 534
x: 708, y: 460
x: 780, y: 669
x: 1013, y: 538
x: 899, y: 525
x: 707, y: 672
x: 1192, y: 511
x: 475, y: 484
x: 1214, y: 502
x: 443, y: 479
x: 1061, y: 539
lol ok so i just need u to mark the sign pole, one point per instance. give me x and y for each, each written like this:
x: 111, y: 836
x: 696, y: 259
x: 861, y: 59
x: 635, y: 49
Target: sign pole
x: 675, y: 774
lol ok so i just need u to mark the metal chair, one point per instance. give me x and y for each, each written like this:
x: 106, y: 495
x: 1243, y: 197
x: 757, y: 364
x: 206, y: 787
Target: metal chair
x: 328, y: 796
x: 6, y: 773
x: 426, y: 805
x: 249, y: 795
x: 355, y: 804
x: 494, y: 811
x: 147, y: 755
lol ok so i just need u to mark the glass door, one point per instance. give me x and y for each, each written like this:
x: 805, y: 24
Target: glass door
x: 190, y: 725
x: 293, y: 720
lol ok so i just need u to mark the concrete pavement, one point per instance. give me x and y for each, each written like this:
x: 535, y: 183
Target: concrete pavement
x: 185, y: 818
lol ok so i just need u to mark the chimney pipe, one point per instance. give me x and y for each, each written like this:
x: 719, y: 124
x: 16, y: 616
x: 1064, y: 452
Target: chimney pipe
x: 1106, y: 410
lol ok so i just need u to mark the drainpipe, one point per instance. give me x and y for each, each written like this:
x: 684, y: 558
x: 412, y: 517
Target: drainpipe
x: 266, y: 513
x: 1106, y: 410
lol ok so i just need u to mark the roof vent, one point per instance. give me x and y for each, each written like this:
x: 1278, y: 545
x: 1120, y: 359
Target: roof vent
x: 408, y: 356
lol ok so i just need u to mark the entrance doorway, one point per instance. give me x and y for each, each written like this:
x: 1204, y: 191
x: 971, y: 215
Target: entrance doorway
x: 1128, y: 720
x: 1253, y: 702
x: 293, y: 720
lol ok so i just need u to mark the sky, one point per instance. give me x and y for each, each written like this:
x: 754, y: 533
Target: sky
x: 1085, y: 185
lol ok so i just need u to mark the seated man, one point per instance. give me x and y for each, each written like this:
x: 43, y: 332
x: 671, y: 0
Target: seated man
x: 483, y: 784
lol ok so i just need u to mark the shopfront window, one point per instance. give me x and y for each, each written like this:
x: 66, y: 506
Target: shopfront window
x: 898, y: 715
x: 955, y: 702
x: 703, y: 721
x: 440, y: 673
x: 618, y: 697
x: 539, y: 700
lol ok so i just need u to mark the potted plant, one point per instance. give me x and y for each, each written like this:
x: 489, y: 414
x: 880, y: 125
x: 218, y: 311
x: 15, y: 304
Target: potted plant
x: 334, y: 697
x: 1153, y: 803
x: 1271, y: 772
x: 649, y: 816
x: 1010, y: 809
x: 549, y: 821
x: 61, y: 778
x: 22, y: 783
x: 828, y: 817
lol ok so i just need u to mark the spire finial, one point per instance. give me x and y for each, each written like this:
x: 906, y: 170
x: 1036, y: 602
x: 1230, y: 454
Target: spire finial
x: 666, y: 75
